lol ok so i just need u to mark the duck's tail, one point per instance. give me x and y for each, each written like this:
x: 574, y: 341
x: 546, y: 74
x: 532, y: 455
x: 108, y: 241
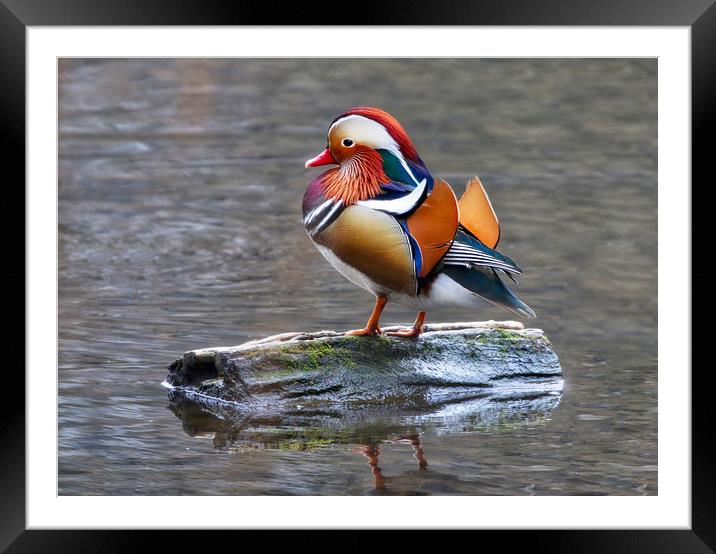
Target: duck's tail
x: 485, y: 283
x: 475, y: 267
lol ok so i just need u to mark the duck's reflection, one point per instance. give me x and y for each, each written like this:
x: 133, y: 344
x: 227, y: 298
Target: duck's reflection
x: 418, y: 451
x: 372, y: 452
x: 367, y: 431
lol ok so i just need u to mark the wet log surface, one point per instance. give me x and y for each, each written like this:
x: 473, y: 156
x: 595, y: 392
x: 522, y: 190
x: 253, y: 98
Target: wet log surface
x: 312, y: 372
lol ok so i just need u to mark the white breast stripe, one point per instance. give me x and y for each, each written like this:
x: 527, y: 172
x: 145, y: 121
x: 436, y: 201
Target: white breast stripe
x: 315, y: 211
x: 397, y: 206
x: 318, y: 228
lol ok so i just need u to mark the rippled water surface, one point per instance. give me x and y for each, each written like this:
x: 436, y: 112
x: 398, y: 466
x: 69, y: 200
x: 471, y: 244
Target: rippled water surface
x: 180, y: 183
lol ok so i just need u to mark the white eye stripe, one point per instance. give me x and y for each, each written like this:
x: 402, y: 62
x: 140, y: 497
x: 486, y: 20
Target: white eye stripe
x: 364, y: 131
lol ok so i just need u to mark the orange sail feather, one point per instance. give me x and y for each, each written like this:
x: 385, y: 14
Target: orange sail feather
x: 477, y: 214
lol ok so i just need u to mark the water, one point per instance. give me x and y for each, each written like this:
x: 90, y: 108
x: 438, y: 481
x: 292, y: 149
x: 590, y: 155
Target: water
x: 180, y: 184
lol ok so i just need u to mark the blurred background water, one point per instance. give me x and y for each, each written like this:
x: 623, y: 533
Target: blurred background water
x: 180, y: 184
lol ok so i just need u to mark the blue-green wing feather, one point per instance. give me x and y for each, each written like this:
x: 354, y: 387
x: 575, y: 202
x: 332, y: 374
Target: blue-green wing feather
x: 474, y: 266
x: 486, y: 283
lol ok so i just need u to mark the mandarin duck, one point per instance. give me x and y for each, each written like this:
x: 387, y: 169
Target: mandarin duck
x: 385, y: 223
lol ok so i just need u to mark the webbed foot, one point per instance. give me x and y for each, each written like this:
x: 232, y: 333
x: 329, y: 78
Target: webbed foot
x: 414, y: 332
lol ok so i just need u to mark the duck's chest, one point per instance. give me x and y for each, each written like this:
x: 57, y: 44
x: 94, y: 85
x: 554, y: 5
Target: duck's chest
x: 369, y: 248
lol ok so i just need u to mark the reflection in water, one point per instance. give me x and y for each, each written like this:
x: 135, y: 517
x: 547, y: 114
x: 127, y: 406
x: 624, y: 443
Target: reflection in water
x: 372, y: 451
x: 231, y: 429
x: 417, y: 445
x: 180, y: 185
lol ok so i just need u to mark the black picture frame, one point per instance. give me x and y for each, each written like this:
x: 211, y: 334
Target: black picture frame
x: 699, y: 15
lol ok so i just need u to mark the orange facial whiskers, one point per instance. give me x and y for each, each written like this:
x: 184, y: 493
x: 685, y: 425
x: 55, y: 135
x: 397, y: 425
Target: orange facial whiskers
x: 358, y: 178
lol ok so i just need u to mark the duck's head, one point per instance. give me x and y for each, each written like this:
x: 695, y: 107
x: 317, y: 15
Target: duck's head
x: 360, y: 129
x: 367, y: 144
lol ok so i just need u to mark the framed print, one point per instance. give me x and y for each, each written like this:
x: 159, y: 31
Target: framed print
x: 518, y: 178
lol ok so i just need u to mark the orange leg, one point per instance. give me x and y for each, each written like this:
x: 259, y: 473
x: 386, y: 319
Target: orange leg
x: 419, y: 454
x: 371, y: 451
x: 371, y: 328
x: 415, y: 331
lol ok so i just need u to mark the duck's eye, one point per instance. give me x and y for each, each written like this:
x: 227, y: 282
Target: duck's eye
x: 347, y: 142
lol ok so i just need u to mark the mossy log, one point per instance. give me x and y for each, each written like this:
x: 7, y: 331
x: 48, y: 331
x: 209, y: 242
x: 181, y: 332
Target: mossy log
x: 303, y: 373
